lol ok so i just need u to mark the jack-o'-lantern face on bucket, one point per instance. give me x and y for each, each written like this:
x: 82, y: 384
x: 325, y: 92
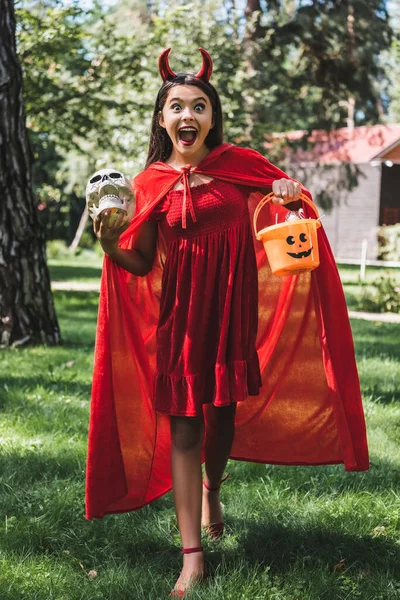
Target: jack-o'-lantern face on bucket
x: 291, y: 247
x: 300, y: 245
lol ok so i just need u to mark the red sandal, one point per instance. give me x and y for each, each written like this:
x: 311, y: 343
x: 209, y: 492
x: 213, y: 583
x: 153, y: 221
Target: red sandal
x: 182, y: 593
x: 215, y: 531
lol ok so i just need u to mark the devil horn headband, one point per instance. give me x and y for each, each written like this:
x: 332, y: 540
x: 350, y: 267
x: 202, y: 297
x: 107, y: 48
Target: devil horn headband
x: 167, y: 74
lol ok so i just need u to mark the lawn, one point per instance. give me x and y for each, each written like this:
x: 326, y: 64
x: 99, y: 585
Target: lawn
x: 87, y: 269
x: 350, y: 276
x: 84, y: 268
x: 292, y: 533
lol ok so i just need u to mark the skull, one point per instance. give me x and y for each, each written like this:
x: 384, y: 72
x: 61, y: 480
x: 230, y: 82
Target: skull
x: 294, y: 215
x: 108, y: 188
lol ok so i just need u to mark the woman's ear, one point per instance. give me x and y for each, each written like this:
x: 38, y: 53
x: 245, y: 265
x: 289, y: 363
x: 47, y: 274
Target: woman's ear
x: 161, y: 119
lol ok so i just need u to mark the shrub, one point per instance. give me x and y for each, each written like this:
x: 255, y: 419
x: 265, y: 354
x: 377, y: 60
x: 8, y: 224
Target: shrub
x: 87, y: 240
x: 383, y: 295
x: 98, y: 250
x: 57, y: 249
x: 389, y: 242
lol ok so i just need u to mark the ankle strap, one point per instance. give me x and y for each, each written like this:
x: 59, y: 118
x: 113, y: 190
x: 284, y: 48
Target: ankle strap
x: 192, y: 550
x: 215, y: 489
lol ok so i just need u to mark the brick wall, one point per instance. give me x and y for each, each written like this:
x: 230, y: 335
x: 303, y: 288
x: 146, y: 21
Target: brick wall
x: 356, y: 217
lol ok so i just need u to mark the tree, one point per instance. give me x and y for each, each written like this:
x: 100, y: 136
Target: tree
x: 318, y: 62
x: 91, y: 77
x: 26, y: 304
x: 76, y: 79
x: 393, y: 68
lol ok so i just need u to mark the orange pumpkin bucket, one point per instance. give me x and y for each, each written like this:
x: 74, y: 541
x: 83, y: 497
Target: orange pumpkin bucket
x: 292, y: 246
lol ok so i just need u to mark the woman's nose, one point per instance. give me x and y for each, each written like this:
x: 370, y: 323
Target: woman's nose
x: 187, y: 114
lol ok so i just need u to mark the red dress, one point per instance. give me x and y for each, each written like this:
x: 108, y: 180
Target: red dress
x: 206, y: 335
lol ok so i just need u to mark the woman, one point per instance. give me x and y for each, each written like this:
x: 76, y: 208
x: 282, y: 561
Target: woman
x: 193, y: 199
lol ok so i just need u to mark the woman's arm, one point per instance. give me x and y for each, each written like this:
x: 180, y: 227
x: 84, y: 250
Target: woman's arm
x: 139, y: 260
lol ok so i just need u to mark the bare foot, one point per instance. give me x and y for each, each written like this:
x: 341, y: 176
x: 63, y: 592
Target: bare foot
x: 211, y: 507
x: 192, y: 572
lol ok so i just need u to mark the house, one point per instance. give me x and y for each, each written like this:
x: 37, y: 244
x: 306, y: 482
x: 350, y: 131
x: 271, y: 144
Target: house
x: 358, y: 169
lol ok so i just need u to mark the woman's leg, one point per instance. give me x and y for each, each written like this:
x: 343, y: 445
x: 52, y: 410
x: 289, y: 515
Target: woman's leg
x: 187, y: 439
x: 220, y: 431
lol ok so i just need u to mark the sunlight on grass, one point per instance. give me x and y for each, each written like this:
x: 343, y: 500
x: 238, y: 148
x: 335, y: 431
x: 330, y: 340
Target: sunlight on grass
x: 350, y: 274
x: 350, y: 277
x: 86, y: 268
x: 293, y: 533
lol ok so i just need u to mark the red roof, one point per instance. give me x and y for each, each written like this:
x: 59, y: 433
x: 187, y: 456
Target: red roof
x: 359, y: 145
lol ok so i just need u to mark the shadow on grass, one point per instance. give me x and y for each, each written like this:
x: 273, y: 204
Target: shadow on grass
x: 73, y: 303
x: 135, y: 538
x: 380, y: 397
x: 376, y: 339
x: 79, y: 339
x: 282, y: 552
x: 143, y: 541
x: 36, y: 465
x: 77, y: 315
x: 67, y: 299
x: 321, y: 481
x: 281, y: 548
x: 19, y: 387
x: 73, y: 273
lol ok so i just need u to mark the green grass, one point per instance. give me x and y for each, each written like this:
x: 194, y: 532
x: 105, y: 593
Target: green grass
x: 292, y: 533
x: 86, y: 268
x: 350, y: 276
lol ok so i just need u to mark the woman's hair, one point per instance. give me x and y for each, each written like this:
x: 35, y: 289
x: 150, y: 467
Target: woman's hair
x: 160, y: 145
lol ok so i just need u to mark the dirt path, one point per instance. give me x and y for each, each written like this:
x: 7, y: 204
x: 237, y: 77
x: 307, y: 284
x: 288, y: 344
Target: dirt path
x: 382, y: 317
x: 75, y: 286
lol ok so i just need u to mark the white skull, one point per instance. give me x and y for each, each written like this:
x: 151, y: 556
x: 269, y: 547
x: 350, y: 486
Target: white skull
x: 294, y: 215
x: 109, y: 188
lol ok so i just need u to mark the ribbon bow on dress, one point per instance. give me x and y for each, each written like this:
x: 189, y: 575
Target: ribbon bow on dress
x: 187, y: 196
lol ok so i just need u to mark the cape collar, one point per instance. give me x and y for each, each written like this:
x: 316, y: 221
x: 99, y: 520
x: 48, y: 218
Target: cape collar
x: 184, y: 172
x: 213, y: 155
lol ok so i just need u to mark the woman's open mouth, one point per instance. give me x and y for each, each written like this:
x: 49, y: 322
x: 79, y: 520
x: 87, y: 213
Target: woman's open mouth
x: 187, y: 135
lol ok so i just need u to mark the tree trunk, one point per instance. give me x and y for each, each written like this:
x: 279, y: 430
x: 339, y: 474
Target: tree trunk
x: 79, y: 232
x: 251, y: 7
x: 26, y: 303
x: 257, y: 31
x: 253, y: 32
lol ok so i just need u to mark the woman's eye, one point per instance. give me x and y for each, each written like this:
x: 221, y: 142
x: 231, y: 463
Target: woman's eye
x: 199, y: 107
x: 175, y: 107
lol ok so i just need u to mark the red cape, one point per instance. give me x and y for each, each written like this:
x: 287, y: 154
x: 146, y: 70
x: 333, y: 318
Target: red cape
x: 309, y: 411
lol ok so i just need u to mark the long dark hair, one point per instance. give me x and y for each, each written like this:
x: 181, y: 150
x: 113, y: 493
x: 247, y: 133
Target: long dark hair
x: 160, y: 145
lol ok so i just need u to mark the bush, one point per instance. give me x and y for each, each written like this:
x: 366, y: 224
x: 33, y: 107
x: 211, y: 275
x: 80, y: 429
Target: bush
x: 57, y: 249
x: 87, y: 240
x: 383, y: 295
x: 389, y: 242
x: 98, y: 250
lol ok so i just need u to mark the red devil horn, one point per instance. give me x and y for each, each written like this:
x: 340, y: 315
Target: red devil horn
x: 165, y: 70
x: 206, y: 67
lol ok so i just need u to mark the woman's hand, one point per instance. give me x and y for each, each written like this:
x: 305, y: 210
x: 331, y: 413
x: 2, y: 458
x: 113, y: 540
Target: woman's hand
x: 286, y: 191
x: 108, y: 235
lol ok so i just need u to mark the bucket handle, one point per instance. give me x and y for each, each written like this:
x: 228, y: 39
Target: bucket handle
x: 268, y: 198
